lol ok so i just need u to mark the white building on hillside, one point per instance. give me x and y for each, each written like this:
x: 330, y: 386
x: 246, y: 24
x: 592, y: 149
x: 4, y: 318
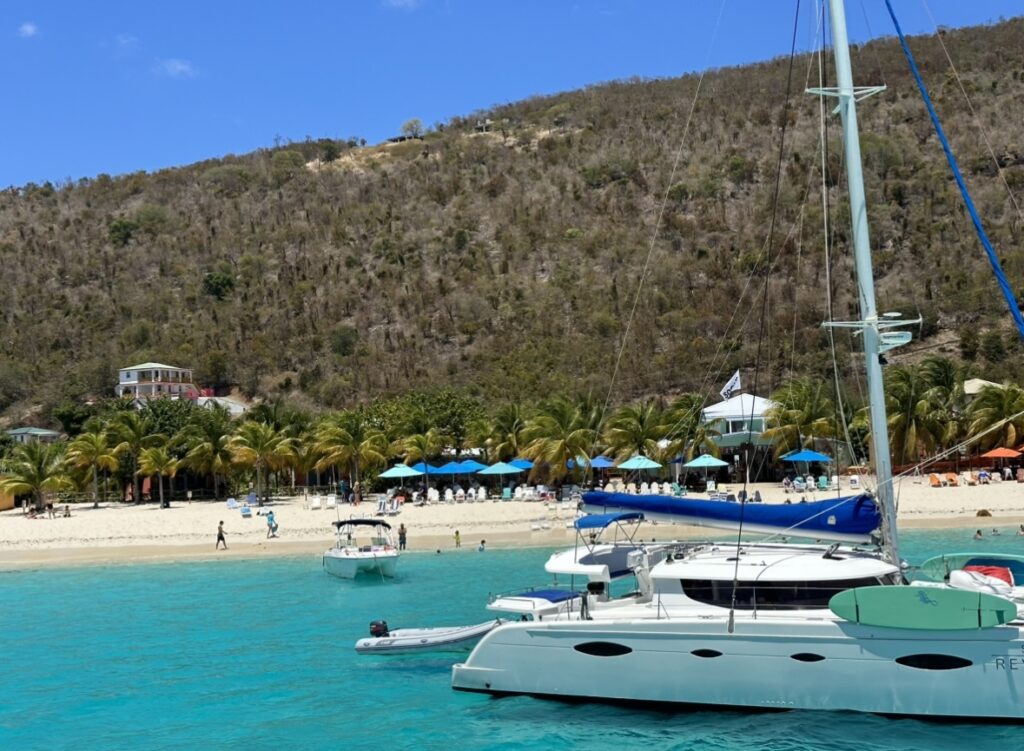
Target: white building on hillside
x: 155, y: 379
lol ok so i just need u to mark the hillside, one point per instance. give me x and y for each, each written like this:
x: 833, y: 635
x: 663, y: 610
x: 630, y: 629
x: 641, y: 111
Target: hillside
x: 507, y: 262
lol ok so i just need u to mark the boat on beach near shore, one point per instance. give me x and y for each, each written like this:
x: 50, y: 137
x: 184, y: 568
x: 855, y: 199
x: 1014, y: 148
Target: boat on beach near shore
x: 363, y: 546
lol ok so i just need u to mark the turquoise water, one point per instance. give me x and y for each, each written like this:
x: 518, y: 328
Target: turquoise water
x: 258, y: 655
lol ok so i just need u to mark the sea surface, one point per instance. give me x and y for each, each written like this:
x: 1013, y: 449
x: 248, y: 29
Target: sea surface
x: 258, y: 654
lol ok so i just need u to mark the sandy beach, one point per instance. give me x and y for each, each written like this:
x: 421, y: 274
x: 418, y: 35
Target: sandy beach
x: 124, y: 533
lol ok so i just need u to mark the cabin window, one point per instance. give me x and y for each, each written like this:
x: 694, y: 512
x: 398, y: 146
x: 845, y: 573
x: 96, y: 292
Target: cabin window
x: 783, y: 595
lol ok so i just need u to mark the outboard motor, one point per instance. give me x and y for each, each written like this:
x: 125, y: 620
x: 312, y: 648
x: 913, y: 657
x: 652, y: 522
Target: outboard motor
x: 378, y: 628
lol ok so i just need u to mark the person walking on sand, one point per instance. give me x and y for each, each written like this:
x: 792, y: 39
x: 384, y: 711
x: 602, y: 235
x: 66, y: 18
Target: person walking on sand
x: 220, y: 537
x: 401, y: 536
x: 458, y: 540
x: 271, y: 525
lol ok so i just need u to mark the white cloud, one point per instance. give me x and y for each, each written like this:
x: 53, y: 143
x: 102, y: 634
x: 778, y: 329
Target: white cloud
x: 175, y: 68
x: 28, y: 30
x: 402, y: 4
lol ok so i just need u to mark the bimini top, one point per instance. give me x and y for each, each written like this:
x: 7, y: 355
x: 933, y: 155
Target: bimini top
x: 600, y: 521
x: 361, y: 523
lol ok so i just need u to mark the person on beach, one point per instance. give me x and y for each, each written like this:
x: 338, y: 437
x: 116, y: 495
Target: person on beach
x: 1020, y: 532
x: 271, y: 525
x: 49, y: 510
x: 995, y: 532
x: 401, y: 536
x: 220, y: 537
x: 67, y: 512
x: 978, y: 535
x: 458, y: 540
x: 483, y: 546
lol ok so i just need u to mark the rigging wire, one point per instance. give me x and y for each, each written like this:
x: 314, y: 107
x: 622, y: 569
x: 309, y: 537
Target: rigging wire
x: 764, y: 298
x: 826, y: 212
x: 658, y: 222
x: 977, y: 120
x: 993, y: 259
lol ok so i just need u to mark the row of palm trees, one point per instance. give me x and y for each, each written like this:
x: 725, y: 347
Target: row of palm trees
x: 287, y: 445
x: 928, y: 409
x: 929, y: 413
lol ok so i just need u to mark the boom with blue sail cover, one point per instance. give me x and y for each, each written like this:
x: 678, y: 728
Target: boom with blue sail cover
x: 844, y: 519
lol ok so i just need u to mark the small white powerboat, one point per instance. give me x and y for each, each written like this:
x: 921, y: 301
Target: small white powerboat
x: 440, y: 639
x: 355, y: 553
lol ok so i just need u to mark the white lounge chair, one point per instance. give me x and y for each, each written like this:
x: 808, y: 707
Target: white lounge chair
x: 518, y: 493
x: 449, y: 496
x: 645, y: 489
x: 332, y: 501
x: 314, y: 503
x: 232, y: 503
x: 433, y: 496
x: 854, y: 481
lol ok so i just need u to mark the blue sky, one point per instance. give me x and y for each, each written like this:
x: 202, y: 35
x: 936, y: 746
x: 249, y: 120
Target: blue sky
x: 115, y: 87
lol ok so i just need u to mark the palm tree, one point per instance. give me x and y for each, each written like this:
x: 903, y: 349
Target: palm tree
x: 208, y: 442
x: 946, y: 395
x: 421, y: 447
x: 157, y: 460
x: 260, y: 446
x: 686, y: 430
x: 636, y: 429
x: 510, y: 422
x: 132, y: 433
x: 913, y: 426
x: 557, y: 434
x: 803, y: 411
x: 92, y: 452
x: 36, y: 468
x: 350, y: 440
x: 995, y: 405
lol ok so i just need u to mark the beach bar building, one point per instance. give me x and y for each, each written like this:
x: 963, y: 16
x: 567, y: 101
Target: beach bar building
x: 740, y: 421
x: 156, y: 379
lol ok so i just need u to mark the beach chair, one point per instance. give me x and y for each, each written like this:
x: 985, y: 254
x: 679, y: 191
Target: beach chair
x: 332, y: 500
x: 799, y: 485
x: 934, y: 481
x: 460, y: 496
x: 506, y: 494
x: 970, y: 478
x: 711, y: 486
x: 823, y: 483
x: 854, y: 482
x: 645, y: 489
x: 314, y: 503
x: 449, y: 495
x: 952, y: 480
x: 232, y: 503
x: 433, y: 496
x: 519, y: 492
x: 676, y: 489
x: 246, y: 512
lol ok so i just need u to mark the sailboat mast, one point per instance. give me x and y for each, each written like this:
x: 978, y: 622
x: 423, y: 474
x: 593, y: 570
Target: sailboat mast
x: 866, y: 285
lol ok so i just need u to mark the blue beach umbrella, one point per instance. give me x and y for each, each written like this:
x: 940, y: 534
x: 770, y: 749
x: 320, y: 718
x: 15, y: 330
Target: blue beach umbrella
x: 806, y: 455
x: 501, y: 468
x: 428, y: 469
x: 639, y: 462
x: 522, y: 463
x: 451, y: 468
x: 469, y: 466
x: 400, y: 470
x: 706, y: 462
x: 601, y: 462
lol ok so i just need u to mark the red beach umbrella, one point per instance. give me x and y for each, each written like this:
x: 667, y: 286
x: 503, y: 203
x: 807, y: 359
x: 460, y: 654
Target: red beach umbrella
x: 1001, y: 453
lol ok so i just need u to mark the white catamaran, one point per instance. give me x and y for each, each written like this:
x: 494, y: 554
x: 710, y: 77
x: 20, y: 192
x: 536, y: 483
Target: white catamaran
x: 787, y: 626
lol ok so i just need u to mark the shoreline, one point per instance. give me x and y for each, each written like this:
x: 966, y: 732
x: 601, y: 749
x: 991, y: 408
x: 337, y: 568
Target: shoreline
x: 27, y: 558
x: 127, y: 534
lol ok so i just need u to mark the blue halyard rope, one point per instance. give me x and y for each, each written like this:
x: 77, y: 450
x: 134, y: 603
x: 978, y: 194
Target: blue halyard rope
x: 1004, y: 284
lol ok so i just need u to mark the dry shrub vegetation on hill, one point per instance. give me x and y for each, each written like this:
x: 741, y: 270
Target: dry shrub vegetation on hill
x: 507, y: 262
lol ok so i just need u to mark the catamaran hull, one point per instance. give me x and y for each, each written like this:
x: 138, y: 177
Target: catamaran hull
x: 350, y: 566
x: 822, y: 665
